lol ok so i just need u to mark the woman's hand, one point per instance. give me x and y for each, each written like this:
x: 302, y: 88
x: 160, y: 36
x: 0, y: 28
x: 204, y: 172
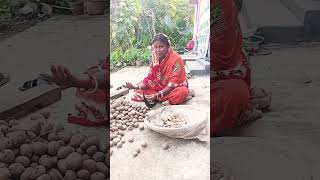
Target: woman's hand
x: 130, y: 86
x: 63, y: 77
x: 154, y: 58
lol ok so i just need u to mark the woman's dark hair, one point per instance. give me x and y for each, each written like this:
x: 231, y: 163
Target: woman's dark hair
x: 238, y: 4
x: 162, y: 38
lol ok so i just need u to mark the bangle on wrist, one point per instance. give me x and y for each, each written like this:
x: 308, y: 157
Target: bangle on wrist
x: 88, y: 87
x: 92, y: 79
x: 96, y: 84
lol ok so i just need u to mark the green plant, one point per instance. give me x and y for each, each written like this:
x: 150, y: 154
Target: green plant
x: 116, y: 56
x: 5, y: 12
x: 135, y: 22
x: 132, y: 55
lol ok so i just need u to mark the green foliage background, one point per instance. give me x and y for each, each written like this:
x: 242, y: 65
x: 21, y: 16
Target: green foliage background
x: 135, y: 22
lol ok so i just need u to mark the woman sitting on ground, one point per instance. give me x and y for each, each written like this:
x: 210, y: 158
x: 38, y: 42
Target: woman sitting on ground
x: 167, y: 80
x: 234, y: 102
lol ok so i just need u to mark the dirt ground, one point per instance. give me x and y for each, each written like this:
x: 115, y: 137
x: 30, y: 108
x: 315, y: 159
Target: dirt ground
x: 76, y: 42
x: 184, y: 160
x: 284, y: 143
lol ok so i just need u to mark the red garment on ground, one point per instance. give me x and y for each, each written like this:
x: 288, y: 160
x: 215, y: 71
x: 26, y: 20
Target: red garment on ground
x: 230, y: 99
x: 230, y: 96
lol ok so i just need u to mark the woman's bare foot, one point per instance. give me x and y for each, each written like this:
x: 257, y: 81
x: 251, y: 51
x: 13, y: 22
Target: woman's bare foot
x: 166, y: 103
x: 191, y: 94
x: 250, y: 114
x: 260, y: 99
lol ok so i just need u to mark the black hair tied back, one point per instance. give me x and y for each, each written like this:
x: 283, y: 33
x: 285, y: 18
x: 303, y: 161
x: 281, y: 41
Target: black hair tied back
x: 162, y: 38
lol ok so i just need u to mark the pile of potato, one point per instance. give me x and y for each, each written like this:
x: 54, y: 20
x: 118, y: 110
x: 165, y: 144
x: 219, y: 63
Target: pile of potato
x: 171, y: 121
x: 42, y: 150
x: 124, y: 116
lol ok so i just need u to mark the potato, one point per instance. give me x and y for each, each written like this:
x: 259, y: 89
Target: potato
x: 39, y: 148
x: 141, y: 127
x: 70, y: 175
x: 98, y: 157
x: 62, y: 143
x: 144, y: 144
x: 13, y: 122
x: 53, y: 148
x: 53, y: 137
x: 101, y: 167
x: 62, y: 166
x: 26, y: 175
x: 26, y: 150
x: 136, y: 125
x: 5, y: 143
x: 80, y: 151
x: 91, y: 150
x: 97, y: 176
x: 112, y: 136
x: 116, y: 140
x: 76, y: 140
x: 4, y: 128
x: 16, y: 152
x: 23, y: 160
x: 64, y: 152
x: 38, y: 171
x: 93, y: 140
x: 7, y: 156
x: 47, y: 161
x: 134, y: 120
x: 121, y: 133
x: 74, y: 161
x: 3, y: 165
x: 124, y: 127
x: 84, y: 145
x: 83, y: 174
x: 16, y: 169
x: 44, y: 177
x: 165, y: 146
x: 55, y: 174
x: 30, y: 136
x: 85, y: 157
x: 35, y: 158
x: 89, y: 165
x: 33, y: 165
x: 4, y: 173
x: 64, y: 136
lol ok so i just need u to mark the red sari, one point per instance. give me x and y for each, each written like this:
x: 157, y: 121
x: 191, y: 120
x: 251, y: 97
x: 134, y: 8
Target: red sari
x: 231, y: 73
x: 170, y: 72
x: 90, y: 110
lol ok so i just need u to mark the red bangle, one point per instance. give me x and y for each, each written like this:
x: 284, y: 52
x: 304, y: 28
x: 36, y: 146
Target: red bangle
x: 89, y: 83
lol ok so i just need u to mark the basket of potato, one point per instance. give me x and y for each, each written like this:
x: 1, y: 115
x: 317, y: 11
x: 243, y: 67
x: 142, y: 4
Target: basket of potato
x: 183, y: 121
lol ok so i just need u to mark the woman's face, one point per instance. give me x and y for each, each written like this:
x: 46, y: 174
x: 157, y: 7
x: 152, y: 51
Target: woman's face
x: 160, y: 49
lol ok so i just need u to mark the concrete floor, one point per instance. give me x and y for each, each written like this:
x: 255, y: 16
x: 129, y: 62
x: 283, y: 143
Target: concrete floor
x: 184, y: 160
x: 284, y: 143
